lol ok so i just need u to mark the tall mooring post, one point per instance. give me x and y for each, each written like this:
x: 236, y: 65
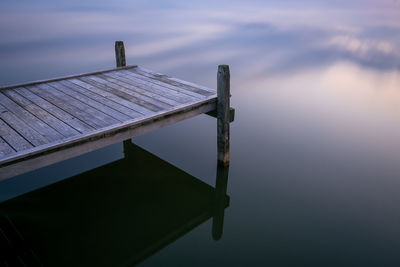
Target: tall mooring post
x: 121, y: 62
x: 223, y: 114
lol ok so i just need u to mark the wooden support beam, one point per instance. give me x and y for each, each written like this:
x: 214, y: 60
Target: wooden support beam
x: 213, y: 113
x: 223, y: 105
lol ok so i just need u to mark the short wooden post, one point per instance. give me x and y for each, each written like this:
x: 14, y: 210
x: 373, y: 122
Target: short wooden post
x: 223, y: 105
x: 121, y: 62
x: 120, y: 54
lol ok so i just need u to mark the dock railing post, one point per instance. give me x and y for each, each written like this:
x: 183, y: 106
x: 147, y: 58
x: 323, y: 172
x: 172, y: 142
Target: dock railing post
x: 121, y: 62
x: 223, y: 106
x: 120, y: 54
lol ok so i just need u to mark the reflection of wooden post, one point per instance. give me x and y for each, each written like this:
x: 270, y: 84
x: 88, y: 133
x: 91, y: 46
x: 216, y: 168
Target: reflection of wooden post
x: 223, y: 105
x: 220, y: 201
x: 121, y: 62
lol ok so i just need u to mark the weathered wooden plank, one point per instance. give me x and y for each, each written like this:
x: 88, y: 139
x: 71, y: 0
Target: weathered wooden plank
x: 21, y: 127
x: 16, y: 141
x: 5, y: 149
x: 174, y: 81
x: 223, y: 105
x: 74, y: 107
x: 96, y: 114
x: 89, y: 101
x: 42, y: 114
x: 48, y: 154
x: 107, y: 93
x: 101, y: 99
x: 41, y: 127
x: 154, y: 88
x: 66, y: 107
x: 167, y: 78
x: 64, y: 77
x: 138, y: 89
x: 147, y: 102
x: 57, y: 112
x: 165, y: 85
x: 146, y: 108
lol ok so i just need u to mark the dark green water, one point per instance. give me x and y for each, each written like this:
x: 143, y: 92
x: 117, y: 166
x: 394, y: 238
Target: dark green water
x: 315, y: 148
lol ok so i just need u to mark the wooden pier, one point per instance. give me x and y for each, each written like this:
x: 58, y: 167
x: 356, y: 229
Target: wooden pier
x: 48, y: 121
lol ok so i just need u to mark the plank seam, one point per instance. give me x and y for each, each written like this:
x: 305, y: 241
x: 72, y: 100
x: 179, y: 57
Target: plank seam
x: 99, y: 95
x: 163, y: 84
x: 87, y: 103
x: 131, y: 93
x: 5, y: 141
x: 138, y: 91
x: 19, y: 134
x: 155, y: 91
x: 58, y: 108
x: 95, y: 83
x: 25, y: 120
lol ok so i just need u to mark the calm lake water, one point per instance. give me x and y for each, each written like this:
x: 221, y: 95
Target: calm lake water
x: 314, y: 178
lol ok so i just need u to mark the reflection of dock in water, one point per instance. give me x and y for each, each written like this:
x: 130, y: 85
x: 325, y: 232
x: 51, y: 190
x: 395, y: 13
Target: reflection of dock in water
x: 114, y: 215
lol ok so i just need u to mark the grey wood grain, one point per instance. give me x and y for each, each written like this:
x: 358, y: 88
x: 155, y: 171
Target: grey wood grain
x: 142, y: 100
x: 41, y: 113
x: 165, y: 77
x: 174, y: 81
x: 41, y: 127
x: 21, y: 127
x: 108, y: 93
x: 98, y: 96
x: 140, y: 90
x: 146, y: 108
x: 89, y: 101
x: 151, y: 87
x: 166, y: 85
x: 5, y: 149
x: 16, y: 141
x: 78, y: 109
x: 57, y: 112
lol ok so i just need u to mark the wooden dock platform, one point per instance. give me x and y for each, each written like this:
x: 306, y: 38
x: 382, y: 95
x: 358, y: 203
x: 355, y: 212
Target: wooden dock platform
x: 48, y: 121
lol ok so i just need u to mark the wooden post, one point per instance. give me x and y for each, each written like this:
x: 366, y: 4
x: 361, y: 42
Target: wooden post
x: 121, y: 62
x: 223, y: 105
x: 120, y: 54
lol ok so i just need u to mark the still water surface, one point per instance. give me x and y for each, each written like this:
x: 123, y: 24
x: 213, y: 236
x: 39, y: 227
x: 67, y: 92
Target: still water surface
x: 315, y: 148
